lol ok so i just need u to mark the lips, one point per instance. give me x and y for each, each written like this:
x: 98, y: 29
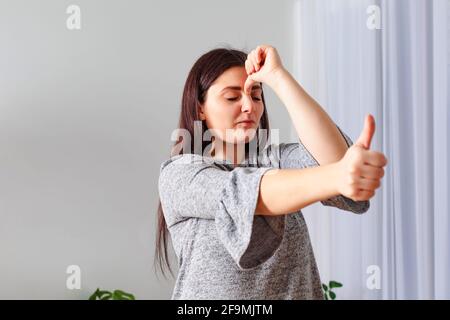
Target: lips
x: 246, y: 122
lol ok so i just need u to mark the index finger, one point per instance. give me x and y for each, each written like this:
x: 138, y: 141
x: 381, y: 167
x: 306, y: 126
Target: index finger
x: 248, y: 85
x: 375, y: 158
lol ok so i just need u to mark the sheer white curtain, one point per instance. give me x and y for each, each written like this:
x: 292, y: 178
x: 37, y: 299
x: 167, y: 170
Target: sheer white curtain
x: 398, y: 71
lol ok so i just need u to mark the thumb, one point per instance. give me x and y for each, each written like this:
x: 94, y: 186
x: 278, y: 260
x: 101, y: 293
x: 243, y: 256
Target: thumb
x: 366, y: 136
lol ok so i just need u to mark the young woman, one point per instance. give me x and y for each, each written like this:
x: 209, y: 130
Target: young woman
x: 236, y: 225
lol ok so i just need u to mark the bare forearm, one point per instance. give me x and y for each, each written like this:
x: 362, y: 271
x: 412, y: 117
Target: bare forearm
x: 315, y: 128
x: 284, y: 191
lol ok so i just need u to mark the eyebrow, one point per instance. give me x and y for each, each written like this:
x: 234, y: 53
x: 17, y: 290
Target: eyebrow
x: 255, y: 87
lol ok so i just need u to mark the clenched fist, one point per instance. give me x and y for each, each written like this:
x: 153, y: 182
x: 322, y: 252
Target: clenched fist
x: 263, y: 64
x: 360, y: 171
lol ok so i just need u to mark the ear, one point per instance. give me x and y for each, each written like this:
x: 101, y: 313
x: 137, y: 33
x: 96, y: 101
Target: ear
x: 201, y: 112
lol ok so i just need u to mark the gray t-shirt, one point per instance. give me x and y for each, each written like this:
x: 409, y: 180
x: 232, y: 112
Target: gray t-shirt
x: 224, y: 250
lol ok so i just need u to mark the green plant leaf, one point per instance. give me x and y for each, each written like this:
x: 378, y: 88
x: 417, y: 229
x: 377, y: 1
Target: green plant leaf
x: 122, y: 295
x: 324, y: 287
x: 332, y: 295
x: 100, y: 295
x: 106, y: 296
x: 94, y: 295
x: 335, y: 284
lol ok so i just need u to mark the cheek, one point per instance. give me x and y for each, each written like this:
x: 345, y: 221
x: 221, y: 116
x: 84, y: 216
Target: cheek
x: 225, y: 116
x: 221, y: 117
x: 260, y: 111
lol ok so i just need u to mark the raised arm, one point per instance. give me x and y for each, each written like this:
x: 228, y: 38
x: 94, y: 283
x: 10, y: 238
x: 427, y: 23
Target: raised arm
x: 314, y: 126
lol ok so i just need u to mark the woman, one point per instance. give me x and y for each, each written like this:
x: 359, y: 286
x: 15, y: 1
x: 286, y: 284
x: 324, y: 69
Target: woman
x: 235, y: 222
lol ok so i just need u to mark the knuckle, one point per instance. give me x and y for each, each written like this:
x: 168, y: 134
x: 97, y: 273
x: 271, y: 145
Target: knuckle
x: 381, y: 157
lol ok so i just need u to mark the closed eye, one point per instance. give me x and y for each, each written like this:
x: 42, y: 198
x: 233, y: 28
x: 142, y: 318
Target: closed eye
x: 235, y: 99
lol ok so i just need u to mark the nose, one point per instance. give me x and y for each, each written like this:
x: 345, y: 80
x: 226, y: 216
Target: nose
x: 247, y: 104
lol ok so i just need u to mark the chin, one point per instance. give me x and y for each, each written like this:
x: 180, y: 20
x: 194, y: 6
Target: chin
x: 245, y: 136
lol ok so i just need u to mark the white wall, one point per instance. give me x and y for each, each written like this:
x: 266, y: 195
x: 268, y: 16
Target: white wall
x: 85, y: 121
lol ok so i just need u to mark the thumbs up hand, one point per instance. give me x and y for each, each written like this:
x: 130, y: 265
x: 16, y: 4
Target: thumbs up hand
x: 359, y: 172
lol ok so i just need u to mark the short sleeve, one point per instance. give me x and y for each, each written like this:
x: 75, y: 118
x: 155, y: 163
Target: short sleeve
x: 192, y: 188
x: 295, y: 155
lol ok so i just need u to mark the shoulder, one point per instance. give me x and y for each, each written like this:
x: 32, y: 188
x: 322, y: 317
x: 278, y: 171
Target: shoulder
x: 185, y: 167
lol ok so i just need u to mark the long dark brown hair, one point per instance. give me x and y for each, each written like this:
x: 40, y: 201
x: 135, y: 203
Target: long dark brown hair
x: 202, y: 75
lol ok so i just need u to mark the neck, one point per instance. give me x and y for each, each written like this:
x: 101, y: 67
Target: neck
x: 229, y: 151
